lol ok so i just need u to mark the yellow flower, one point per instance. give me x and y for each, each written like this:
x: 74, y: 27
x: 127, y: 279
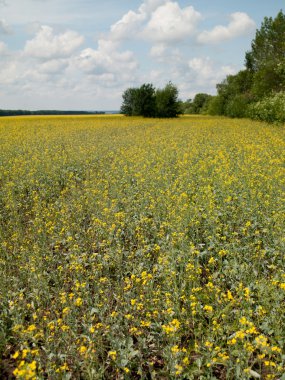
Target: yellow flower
x: 208, y: 308
x: 175, y: 349
x: 31, y: 328
x: 113, y: 354
x: 78, y: 301
x: 179, y: 369
x: 145, y: 323
x: 16, y: 354
x: 211, y: 261
x: 82, y: 349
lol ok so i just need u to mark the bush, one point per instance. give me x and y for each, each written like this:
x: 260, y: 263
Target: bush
x: 216, y: 106
x: 270, y: 109
x: 237, y: 106
x: 198, y: 105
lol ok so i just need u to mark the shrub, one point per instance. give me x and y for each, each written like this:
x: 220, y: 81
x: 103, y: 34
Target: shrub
x: 237, y: 106
x: 216, y: 106
x: 270, y: 109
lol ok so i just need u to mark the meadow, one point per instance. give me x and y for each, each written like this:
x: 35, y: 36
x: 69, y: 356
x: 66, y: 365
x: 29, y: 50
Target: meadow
x: 136, y: 248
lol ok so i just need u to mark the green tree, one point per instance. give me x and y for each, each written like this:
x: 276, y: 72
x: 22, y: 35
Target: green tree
x: 148, y: 102
x: 267, y: 56
x: 263, y: 76
x: 167, y: 103
x: 129, y: 106
x: 268, y: 45
x: 145, y: 101
x: 139, y: 101
x: 234, y: 94
x: 200, y: 103
x: 216, y: 105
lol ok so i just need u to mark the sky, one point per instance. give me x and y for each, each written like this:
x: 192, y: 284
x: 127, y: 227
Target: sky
x: 83, y: 54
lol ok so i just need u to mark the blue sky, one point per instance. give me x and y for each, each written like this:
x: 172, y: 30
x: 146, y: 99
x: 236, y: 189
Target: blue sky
x: 82, y: 54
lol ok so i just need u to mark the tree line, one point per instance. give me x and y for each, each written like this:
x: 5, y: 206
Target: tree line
x: 257, y: 91
x: 47, y: 112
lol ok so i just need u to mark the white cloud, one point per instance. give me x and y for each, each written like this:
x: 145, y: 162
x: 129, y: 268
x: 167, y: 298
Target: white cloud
x: 53, y: 66
x: 53, y: 69
x: 4, y: 27
x: 3, y: 48
x: 127, y: 25
x: 149, y: 6
x: 240, y: 24
x: 9, y: 72
x: 158, y: 51
x: 47, y: 45
x: 207, y: 72
x: 169, y: 23
x: 161, y: 21
x: 131, y: 24
x: 106, y: 59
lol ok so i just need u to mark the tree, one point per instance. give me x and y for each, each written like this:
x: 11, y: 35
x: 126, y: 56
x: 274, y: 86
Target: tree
x: 216, y: 106
x: 267, y: 56
x: 199, y: 104
x: 268, y: 45
x: 129, y: 104
x: 148, y: 102
x: 145, y: 101
x: 167, y: 103
x: 262, y: 78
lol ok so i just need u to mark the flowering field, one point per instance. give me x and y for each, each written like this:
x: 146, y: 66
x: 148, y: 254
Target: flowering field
x: 141, y: 249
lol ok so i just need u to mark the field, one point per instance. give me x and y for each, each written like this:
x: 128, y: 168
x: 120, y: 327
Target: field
x: 141, y: 248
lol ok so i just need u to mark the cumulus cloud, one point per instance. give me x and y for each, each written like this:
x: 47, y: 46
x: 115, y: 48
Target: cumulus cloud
x: 170, y: 23
x: 128, y: 25
x: 158, y: 51
x: 160, y: 21
x: 240, y: 24
x: 106, y: 59
x: 64, y: 73
x: 53, y: 66
x: 9, y: 72
x: 207, y: 72
x: 131, y: 24
x: 3, y: 48
x: 47, y: 45
x: 4, y: 27
x: 149, y: 6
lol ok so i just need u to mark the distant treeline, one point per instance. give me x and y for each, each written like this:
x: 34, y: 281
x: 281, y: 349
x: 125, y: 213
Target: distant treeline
x: 257, y: 91
x: 48, y: 112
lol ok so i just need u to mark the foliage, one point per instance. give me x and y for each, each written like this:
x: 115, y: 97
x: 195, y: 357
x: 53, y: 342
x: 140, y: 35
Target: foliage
x: 47, y: 112
x: 148, y: 102
x: 263, y: 76
x: 167, y: 104
x: 270, y: 108
x: 216, y: 106
x: 139, y: 101
x: 129, y: 104
x: 268, y: 46
x: 237, y: 106
x: 198, y: 105
x: 140, y: 248
x: 145, y: 101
